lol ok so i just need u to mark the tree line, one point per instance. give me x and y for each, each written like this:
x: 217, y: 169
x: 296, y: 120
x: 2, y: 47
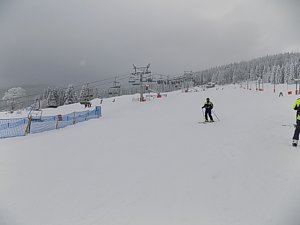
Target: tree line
x: 280, y: 68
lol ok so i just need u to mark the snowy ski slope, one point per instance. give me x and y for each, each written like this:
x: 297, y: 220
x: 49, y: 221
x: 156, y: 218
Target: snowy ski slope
x: 153, y: 163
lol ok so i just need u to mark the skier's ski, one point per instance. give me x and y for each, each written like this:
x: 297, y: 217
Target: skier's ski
x: 288, y: 125
x: 204, y: 122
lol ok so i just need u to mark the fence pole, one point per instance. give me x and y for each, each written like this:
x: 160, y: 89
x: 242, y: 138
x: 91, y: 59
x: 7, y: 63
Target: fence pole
x: 56, y: 126
x: 74, y: 118
x: 98, y: 111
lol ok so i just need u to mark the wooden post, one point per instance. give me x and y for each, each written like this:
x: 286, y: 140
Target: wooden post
x: 27, y: 130
x: 59, y: 118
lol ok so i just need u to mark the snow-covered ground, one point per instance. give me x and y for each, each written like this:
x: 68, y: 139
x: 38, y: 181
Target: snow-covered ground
x: 153, y: 163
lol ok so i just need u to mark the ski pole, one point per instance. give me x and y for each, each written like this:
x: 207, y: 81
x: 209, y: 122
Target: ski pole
x: 203, y: 114
x: 288, y: 125
x: 215, y: 115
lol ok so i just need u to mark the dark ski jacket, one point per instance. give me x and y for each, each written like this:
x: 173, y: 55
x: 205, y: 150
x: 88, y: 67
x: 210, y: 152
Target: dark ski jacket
x: 208, y: 105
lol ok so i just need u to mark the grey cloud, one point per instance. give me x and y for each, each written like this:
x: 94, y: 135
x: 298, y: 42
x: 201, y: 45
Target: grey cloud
x: 70, y: 41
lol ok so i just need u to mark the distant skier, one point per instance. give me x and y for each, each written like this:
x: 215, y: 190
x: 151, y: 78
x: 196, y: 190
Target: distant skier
x: 296, y: 106
x: 208, y: 105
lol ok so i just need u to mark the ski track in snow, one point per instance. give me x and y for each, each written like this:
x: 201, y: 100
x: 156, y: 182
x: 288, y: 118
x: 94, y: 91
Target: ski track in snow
x: 153, y: 163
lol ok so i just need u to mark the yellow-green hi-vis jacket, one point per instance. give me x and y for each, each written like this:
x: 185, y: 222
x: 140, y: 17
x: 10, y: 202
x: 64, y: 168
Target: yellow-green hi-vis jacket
x: 296, y: 106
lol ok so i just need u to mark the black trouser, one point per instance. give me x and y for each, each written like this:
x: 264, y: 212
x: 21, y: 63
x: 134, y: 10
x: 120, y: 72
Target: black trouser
x: 208, y: 112
x: 297, y: 131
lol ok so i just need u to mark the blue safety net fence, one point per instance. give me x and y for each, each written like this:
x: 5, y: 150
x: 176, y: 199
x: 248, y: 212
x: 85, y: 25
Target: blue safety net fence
x: 34, y: 124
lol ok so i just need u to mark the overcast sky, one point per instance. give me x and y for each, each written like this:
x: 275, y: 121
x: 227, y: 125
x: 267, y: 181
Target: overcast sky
x: 70, y: 41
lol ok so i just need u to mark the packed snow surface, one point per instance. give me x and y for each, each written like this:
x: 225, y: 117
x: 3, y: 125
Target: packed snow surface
x: 153, y: 163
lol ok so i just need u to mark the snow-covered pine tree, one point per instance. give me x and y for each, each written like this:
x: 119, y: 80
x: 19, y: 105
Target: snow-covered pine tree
x: 234, y: 76
x: 13, y: 97
x: 279, y: 75
x: 292, y: 71
x: 61, y: 96
x: 221, y: 77
x: 95, y: 93
x: 257, y: 72
x: 252, y: 74
x: 85, y: 93
x: 214, y: 78
x: 286, y: 72
x: 297, y: 70
x: 268, y: 77
x: 46, y: 93
x: 70, y: 95
x: 273, y: 74
x: 53, y: 99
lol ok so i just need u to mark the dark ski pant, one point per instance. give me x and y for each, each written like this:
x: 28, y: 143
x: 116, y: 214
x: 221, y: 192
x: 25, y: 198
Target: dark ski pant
x: 297, y: 131
x: 208, y: 113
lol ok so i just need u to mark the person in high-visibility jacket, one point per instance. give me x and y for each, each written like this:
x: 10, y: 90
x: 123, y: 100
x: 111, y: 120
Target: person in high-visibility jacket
x: 296, y: 106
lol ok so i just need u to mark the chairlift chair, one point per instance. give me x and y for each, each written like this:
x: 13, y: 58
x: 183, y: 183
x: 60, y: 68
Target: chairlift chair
x: 136, y: 81
x: 132, y: 79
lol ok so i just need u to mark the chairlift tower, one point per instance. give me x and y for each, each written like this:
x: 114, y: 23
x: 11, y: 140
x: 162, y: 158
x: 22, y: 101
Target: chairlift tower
x: 187, y: 78
x: 140, y: 73
x: 116, y: 84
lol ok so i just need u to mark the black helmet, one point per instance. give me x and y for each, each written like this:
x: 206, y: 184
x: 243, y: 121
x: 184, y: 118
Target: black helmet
x: 207, y: 99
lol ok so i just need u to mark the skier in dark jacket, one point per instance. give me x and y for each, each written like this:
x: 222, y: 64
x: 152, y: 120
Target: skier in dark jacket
x: 296, y: 106
x: 208, y: 107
